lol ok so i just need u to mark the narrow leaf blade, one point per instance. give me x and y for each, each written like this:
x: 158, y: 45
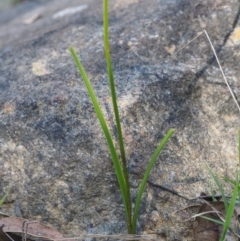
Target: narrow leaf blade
x: 146, y: 175
x: 116, y: 162
x: 212, y: 220
x: 219, y: 185
x: 229, y: 212
x: 116, y: 114
x: 2, y: 200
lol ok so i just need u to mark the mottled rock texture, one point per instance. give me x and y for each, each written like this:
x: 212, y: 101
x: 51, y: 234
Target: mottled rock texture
x: 52, y: 150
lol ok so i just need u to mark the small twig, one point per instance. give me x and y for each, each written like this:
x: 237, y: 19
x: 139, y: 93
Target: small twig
x: 25, y: 228
x: 8, y: 236
x: 120, y: 236
x: 215, y: 54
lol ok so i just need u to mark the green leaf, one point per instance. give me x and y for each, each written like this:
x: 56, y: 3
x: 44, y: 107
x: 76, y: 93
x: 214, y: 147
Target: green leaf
x: 219, y: 187
x: 239, y: 147
x: 231, y: 181
x: 2, y: 200
x: 146, y: 175
x: 116, y: 114
x: 212, y: 194
x: 212, y: 220
x: 229, y: 212
x: 116, y: 162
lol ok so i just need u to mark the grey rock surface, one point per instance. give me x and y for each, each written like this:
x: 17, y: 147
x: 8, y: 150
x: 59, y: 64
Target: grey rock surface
x: 52, y: 150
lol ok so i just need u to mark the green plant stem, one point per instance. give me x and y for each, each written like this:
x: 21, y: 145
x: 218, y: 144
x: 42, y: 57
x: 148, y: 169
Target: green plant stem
x: 146, y: 175
x: 230, y: 211
x: 219, y: 185
x: 2, y: 200
x: 239, y: 147
x: 120, y: 168
x: 113, y: 152
x: 116, y: 114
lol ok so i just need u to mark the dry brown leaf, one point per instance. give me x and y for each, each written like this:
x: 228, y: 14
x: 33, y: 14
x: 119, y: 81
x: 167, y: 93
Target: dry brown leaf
x: 32, y: 228
x: 3, y: 236
x: 143, y: 237
x: 8, y: 237
x: 209, y: 231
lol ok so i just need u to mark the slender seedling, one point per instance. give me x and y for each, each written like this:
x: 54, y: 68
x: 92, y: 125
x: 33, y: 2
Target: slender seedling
x: 116, y: 113
x: 120, y: 166
x: 2, y: 200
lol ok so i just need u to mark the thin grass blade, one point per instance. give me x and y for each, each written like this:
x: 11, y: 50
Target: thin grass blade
x: 116, y: 113
x: 238, y: 164
x: 238, y: 199
x: 231, y: 181
x: 219, y: 185
x: 116, y: 162
x: 146, y: 175
x: 229, y: 212
x: 2, y: 200
x: 212, y: 220
x: 239, y: 146
x: 211, y: 193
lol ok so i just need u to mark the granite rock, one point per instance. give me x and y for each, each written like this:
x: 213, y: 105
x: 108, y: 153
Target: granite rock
x: 52, y: 150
